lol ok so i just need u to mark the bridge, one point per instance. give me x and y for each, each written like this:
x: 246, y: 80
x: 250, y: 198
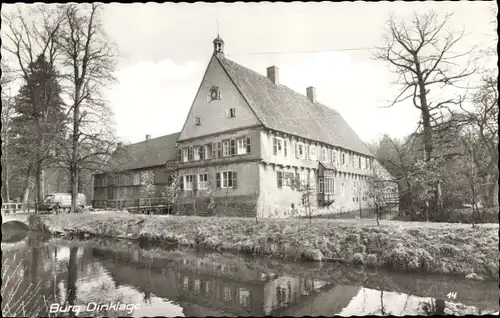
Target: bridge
x: 19, y: 217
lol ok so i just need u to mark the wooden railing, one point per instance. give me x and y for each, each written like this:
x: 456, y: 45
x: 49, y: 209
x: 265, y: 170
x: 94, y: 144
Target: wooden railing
x: 141, y: 205
x: 18, y: 207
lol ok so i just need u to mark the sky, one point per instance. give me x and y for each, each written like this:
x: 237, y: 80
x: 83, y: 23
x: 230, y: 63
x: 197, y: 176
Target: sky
x: 165, y: 49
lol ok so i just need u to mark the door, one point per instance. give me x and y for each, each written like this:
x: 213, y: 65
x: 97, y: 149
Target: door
x: 110, y: 193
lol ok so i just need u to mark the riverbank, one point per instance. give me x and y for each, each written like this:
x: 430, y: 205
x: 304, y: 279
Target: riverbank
x: 441, y: 248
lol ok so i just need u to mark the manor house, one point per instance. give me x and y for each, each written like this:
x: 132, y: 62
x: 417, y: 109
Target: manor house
x: 246, y: 138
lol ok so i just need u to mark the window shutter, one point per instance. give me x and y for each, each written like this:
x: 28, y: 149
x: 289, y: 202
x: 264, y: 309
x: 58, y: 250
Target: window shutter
x: 202, y: 152
x: 219, y: 149
x: 181, y: 183
x: 285, y: 147
x: 190, y: 154
x: 249, y: 144
x: 217, y: 180
x: 235, y: 179
x: 233, y: 147
x: 297, y: 150
x: 179, y: 155
x: 275, y: 146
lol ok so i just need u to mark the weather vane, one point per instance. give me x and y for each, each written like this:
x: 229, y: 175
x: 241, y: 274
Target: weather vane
x: 218, y: 27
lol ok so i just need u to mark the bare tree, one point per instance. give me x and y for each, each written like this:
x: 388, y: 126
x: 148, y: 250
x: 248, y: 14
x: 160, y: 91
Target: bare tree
x: 469, y: 170
x: 305, y: 190
x: 31, y: 36
x: 422, y: 55
x: 483, y: 121
x: 172, y: 190
x: 89, y: 58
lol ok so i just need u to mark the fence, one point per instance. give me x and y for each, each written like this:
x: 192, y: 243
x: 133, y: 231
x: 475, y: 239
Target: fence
x: 141, y: 205
x: 17, y: 207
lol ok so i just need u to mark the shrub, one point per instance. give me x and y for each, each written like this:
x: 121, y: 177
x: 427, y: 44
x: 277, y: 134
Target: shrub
x: 358, y: 259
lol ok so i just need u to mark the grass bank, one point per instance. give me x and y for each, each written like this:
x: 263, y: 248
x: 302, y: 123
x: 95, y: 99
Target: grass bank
x: 441, y: 248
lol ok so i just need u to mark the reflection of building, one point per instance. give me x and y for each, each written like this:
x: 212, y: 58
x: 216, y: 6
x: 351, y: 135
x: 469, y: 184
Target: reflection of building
x: 210, y: 287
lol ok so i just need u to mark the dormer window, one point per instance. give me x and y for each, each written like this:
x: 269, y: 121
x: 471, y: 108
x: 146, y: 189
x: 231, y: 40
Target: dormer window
x: 214, y: 93
x: 231, y: 112
x: 197, y: 121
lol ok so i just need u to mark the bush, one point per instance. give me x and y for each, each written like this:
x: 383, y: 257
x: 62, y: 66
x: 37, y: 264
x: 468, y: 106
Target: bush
x: 358, y: 259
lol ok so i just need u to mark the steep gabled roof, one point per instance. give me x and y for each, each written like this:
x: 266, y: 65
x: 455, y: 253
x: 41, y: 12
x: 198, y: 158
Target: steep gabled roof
x: 144, y: 154
x: 282, y: 109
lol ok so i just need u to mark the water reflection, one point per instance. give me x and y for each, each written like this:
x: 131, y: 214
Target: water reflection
x: 187, y: 283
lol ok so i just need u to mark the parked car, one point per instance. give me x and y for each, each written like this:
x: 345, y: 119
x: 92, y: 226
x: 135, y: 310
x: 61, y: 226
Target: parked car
x: 61, y: 202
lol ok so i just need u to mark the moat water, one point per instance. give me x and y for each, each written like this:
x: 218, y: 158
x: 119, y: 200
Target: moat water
x: 40, y: 273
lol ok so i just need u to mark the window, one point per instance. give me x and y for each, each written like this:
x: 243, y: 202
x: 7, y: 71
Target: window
x: 342, y: 156
x: 329, y: 185
x: 244, y: 297
x: 284, y: 179
x: 214, y: 93
x: 347, y: 159
x: 321, y: 185
x: 285, y: 148
x: 300, y: 151
x: 137, y: 179
x: 197, y: 121
x: 197, y: 153
x: 324, y: 156
x: 308, y: 153
x: 364, y: 184
x: 355, y: 185
x: 279, y: 178
x: 226, y: 148
x: 312, y: 154
x: 366, y: 163
x: 359, y: 162
x: 197, y: 286
x: 185, y: 154
x: 334, y: 156
x: 227, y: 293
x: 226, y: 179
x: 304, y: 177
x: 342, y: 189
x: 242, y: 146
x: 231, y: 112
x: 278, y: 146
x: 188, y: 182
x: 207, y: 151
x: 202, y: 181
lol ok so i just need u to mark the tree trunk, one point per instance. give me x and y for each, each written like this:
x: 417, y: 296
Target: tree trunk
x: 491, y: 199
x: 26, y: 193
x: 74, y: 187
x: 40, y: 182
x: 7, y: 186
x: 439, y: 200
x: 75, y: 149
x: 424, y: 109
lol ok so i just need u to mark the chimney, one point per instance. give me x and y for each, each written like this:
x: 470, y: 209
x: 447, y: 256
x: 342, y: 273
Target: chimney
x: 311, y: 93
x: 273, y: 73
x: 148, y: 137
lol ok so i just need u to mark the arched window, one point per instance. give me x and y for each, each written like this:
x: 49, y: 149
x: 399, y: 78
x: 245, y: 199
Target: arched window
x: 214, y: 93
